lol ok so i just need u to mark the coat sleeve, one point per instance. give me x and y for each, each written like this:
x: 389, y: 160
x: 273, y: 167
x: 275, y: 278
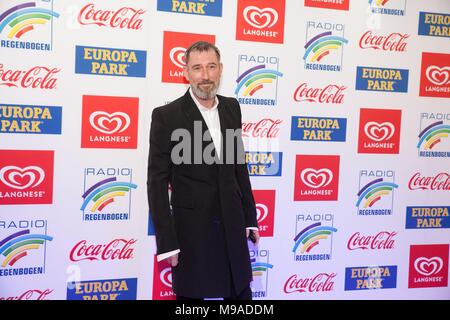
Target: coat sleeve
x: 243, y: 179
x: 159, y: 166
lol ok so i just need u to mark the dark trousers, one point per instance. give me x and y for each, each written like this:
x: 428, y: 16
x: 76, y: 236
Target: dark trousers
x: 246, y: 294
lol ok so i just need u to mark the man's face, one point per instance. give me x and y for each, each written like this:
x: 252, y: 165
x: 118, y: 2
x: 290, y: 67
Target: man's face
x: 203, y: 72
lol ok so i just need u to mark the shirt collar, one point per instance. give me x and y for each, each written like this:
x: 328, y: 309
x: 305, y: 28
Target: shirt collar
x: 199, y: 105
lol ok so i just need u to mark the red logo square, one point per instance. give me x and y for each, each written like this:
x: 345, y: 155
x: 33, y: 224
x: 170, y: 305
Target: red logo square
x: 109, y: 122
x: 26, y: 177
x: 265, y: 208
x: 162, y: 281
x: 174, y: 47
x: 338, y: 5
x: 428, y: 266
x: 260, y: 20
x: 316, y: 178
x: 435, y: 75
x: 379, y: 131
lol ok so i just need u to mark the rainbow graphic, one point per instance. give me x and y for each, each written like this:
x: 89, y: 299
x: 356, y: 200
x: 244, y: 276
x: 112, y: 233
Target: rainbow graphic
x: 104, y: 192
x: 378, y: 2
x: 23, y: 18
x: 311, y: 235
x: 258, y: 268
x: 254, y: 79
x: 16, y: 246
x: 321, y: 45
x: 432, y: 135
x: 373, y: 191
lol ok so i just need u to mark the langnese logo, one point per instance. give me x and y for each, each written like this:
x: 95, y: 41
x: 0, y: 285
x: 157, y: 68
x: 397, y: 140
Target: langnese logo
x: 331, y: 93
x: 265, y: 211
x: 418, y: 217
x: 29, y: 119
x: 109, y: 122
x: 379, y: 131
x: 323, y: 282
x: 327, y: 4
x: 257, y: 82
x: 37, y: 77
x: 434, y: 141
x: 117, y: 249
x: 26, y: 177
x: 318, y: 129
x: 376, y: 192
x: 107, y: 194
x: 381, y: 79
x: 27, y: 25
x: 324, y: 46
x: 32, y: 294
x: 162, y: 281
x: 316, y: 178
x: 127, y: 18
x: 111, y: 289
x: 174, y: 47
x: 370, y: 278
x: 199, y: 7
x: 393, y: 42
x: 260, y: 20
x: 259, y: 259
x: 313, y: 237
x: 388, y: 7
x: 110, y: 62
x: 434, y: 24
x: 435, y: 75
x: 264, y: 163
x: 428, y: 266
x: 23, y: 247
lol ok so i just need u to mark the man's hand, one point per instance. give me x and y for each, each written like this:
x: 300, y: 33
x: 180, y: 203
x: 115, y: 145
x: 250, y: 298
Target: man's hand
x: 173, y: 260
x: 255, y: 234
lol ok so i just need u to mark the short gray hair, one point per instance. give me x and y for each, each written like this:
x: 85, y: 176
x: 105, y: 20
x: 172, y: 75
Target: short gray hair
x: 201, y: 46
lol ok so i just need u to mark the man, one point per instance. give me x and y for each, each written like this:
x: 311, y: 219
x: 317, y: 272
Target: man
x: 204, y: 237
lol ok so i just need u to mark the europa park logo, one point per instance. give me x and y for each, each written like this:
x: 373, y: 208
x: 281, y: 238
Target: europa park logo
x: 27, y: 25
x: 260, y: 21
x: 26, y: 177
x: 174, y: 47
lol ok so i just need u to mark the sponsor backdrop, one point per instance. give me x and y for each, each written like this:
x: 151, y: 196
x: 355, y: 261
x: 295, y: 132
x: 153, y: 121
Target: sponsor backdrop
x: 346, y: 120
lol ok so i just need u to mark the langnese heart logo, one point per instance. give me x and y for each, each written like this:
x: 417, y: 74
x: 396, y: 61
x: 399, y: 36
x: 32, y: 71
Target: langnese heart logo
x: 109, y: 123
x: 429, y: 266
x: 438, y: 76
x: 379, y: 131
x: 316, y: 178
x: 177, y: 56
x: 260, y: 18
x: 261, y: 212
x: 22, y: 178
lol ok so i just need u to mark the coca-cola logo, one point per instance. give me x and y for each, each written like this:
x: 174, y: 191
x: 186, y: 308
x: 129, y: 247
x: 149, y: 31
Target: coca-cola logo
x: 379, y: 131
x: 38, y: 77
x: 441, y: 182
x: 323, y: 282
x: 329, y: 94
x: 120, y: 249
x: 260, y: 18
x: 438, y: 76
x: 30, y: 295
x: 265, y: 128
x: 122, y: 18
x: 393, y: 42
x: 177, y: 56
x: 109, y: 123
x: 22, y: 178
x: 383, y: 240
x: 316, y: 178
x: 428, y: 266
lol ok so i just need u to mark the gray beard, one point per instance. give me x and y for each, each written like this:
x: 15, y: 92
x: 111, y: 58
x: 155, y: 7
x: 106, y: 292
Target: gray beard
x: 205, y: 95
